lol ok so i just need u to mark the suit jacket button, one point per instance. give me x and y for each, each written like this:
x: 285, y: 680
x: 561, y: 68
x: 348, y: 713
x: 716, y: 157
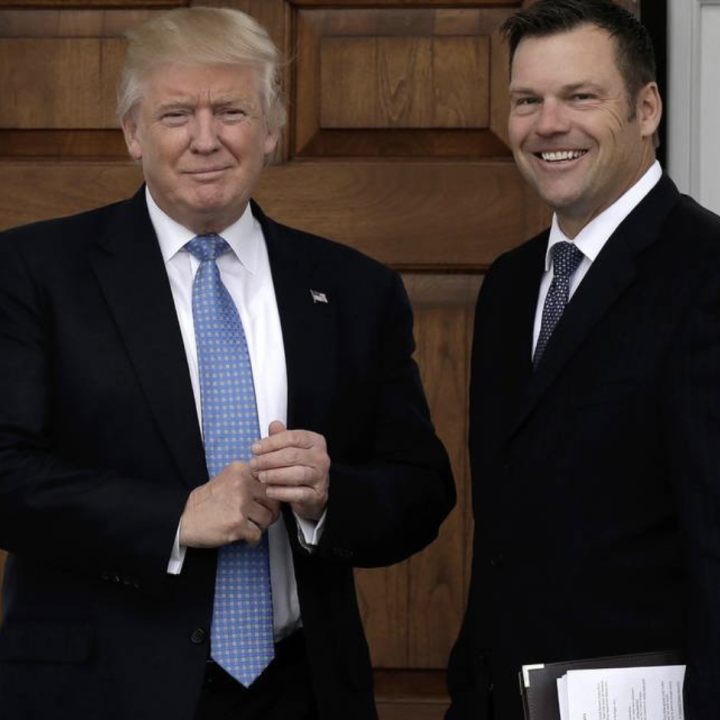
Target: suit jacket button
x: 496, y: 561
x: 198, y: 636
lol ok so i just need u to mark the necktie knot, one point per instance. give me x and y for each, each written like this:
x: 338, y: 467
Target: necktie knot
x: 566, y: 258
x: 207, y: 247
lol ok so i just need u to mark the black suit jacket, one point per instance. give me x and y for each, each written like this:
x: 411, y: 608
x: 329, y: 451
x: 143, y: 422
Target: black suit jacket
x: 596, y: 479
x: 100, y: 447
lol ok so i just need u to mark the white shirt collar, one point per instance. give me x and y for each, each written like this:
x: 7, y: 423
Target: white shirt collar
x: 172, y: 237
x: 592, y: 238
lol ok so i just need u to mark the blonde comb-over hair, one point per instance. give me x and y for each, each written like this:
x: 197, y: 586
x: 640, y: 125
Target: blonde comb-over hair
x: 202, y: 36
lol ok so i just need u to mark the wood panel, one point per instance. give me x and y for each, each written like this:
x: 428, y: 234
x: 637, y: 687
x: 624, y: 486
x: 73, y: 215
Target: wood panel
x: 410, y: 694
x: 409, y: 709
x: 71, y: 23
x: 404, y: 82
x: 363, y: 143
x: 41, y: 190
x: 369, y: 80
x: 461, y: 68
x: 412, y: 611
x: 67, y: 144
x: 47, y: 82
x: 97, y: 4
x: 404, y: 219
x: 383, y: 598
x: 444, y: 310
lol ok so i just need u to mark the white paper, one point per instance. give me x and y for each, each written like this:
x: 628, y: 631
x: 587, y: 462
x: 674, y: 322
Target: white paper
x: 563, y: 698
x: 639, y: 693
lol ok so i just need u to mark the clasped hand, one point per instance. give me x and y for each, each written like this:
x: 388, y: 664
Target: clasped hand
x: 294, y: 467
x: 242, y: 501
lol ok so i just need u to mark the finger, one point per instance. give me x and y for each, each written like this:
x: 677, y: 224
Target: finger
x: 296, y: 476
x: 275, y: 512
x: 288, y: 438
x: 276, y: 427
x: 295, y: 495
x: 287, y: 457
x: 252, y: 534
x: 260, y: 516
x: 266, y: 502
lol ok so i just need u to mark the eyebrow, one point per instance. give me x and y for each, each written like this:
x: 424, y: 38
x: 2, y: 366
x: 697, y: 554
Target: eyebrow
x: 171, y: 105
x: 570, y: 88
x: 585, y: 85
x: 219, y: 103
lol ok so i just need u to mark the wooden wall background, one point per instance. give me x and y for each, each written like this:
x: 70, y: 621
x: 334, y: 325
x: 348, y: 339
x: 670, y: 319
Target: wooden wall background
x: 396, y: 145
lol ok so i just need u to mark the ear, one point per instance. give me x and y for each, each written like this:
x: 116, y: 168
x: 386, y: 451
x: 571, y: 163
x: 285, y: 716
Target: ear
x: 649, y: 109
x: 132, y: 140
x: 271, y: 141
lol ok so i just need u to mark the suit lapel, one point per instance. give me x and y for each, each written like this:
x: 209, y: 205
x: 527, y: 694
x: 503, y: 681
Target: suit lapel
x: 308, y: 325
x: 129, y: 267
x: 502, y: 343
x: 520, y: 315
x: 609, y: 276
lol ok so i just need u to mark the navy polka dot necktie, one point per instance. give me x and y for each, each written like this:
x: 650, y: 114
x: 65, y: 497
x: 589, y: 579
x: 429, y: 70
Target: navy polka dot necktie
x: 242, y: 624
x: 566, y: 259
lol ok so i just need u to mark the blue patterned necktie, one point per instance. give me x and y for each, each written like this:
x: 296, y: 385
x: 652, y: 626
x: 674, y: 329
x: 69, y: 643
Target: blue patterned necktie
x: 242, y: 624
x: 566, y: 258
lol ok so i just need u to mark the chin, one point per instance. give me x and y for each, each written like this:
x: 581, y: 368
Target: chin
x: 210, y: 202
x: 558, y: 198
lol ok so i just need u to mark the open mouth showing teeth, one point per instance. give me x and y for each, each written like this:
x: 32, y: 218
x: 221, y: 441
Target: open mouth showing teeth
x: 561, y: 156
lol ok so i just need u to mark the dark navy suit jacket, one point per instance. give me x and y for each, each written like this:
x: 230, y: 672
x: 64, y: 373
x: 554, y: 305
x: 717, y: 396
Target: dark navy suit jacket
x: 100, y: 447
x: 596, y: 479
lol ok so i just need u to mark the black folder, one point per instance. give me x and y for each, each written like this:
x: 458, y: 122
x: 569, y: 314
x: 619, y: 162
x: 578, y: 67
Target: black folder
x: 538, y: 683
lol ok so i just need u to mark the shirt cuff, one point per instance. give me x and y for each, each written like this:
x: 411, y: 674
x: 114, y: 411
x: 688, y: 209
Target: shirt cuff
x: 310, y: 531
x: 177, y: 558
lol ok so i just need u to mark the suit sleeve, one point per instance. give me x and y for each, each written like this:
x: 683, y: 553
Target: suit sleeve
x: 385, y: 509
x: 80, y: 518
x: 693, y: 406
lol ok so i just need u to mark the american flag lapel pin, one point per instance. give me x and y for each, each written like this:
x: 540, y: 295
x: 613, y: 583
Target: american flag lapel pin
x: 318, y: 297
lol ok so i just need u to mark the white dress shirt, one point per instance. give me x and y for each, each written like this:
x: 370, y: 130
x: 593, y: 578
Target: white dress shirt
x: 245, y: 271
x: 592, y: 238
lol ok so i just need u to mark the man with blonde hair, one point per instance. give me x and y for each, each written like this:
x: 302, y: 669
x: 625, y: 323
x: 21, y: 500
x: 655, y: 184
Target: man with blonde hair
x: 207, y: 419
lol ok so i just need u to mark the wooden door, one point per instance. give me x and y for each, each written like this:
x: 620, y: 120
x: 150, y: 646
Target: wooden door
x: 396, y: 145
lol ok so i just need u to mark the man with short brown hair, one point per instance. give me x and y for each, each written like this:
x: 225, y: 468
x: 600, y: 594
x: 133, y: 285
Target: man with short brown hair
x: 595, y: 397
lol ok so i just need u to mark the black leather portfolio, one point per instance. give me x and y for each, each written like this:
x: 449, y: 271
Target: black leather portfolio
x: 538, y: 683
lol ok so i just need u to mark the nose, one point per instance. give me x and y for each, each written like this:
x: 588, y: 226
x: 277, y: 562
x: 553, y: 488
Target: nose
x: 204, y: 137
x: 552, y: 119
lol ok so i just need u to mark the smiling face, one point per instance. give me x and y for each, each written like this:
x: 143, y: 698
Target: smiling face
x: 574, y: 136
x: 201, y: 137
